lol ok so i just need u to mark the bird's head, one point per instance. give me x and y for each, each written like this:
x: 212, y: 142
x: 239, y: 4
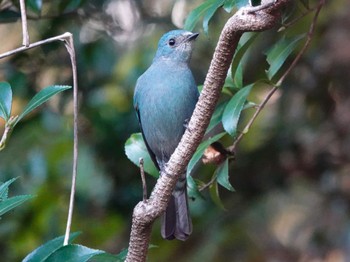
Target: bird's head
x: 176, y: 45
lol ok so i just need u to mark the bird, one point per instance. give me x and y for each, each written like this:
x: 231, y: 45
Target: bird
x: 164, y: 99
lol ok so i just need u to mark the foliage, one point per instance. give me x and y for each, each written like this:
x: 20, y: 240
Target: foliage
x: 289, y: 173
x: 228, y: 113
x: 6, y: 105
x: 9, y: 203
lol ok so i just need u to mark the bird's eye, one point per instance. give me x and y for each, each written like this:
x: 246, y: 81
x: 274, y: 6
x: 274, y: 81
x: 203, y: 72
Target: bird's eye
x: 172, y: 42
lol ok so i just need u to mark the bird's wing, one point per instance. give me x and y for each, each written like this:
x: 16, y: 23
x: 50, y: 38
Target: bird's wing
x: 152, y: 155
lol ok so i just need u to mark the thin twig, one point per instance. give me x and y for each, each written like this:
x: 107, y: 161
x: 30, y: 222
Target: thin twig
x: 25, y: 40
x: 282, y: 78
x: 69, y: 43
x: 36, y: 44
x: 143, y: 178
x: 8, y: 129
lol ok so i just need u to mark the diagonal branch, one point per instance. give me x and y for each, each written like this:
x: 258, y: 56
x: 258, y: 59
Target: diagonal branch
x: 245, y: 20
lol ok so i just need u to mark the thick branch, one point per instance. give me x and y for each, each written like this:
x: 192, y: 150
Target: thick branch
x: 146, y: 212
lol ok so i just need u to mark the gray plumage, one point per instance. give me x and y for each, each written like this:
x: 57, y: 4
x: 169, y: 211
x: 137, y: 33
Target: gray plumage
x: 164, y: 98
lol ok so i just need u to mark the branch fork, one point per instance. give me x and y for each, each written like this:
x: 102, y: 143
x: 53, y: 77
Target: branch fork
x: 146, y: 212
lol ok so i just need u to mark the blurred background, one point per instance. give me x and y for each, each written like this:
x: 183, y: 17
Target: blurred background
x: 291, y: 173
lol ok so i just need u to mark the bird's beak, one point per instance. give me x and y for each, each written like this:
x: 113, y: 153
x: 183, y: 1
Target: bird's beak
x: 192, y: 36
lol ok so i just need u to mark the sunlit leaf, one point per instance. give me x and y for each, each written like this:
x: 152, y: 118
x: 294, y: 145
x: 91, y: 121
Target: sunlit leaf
x: 41, y: 97
x: 277, y: 55
x: 233, y: 110
x: 200, y: 150
x: 12, y: 202
x: 210, y: 13
x: 44, y: 251
x: 223, y: 176
x: 238, y: 78
x: 35, y: 5
x: 73, y: 253
x: 5, y: 100
x: 135, y: 149
x: 214, y: 194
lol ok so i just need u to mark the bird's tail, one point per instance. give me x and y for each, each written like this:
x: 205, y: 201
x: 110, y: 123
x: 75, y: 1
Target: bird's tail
x: 176, y: 221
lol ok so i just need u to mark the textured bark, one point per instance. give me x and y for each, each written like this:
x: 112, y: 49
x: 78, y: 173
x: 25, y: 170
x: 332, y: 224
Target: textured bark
x: 245, y: 20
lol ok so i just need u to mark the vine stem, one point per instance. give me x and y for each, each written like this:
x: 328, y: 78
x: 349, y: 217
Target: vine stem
x: 69, y: 43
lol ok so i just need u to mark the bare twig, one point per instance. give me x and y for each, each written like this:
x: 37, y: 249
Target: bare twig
x: 282, y: 78
x: 36, y: 44
x: 143, y: 178
x: 69, y: 43
x: 25, y: 40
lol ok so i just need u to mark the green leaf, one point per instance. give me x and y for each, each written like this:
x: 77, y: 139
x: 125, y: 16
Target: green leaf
x: 5, y: 100
x: 5, y: 187
x: 12, y: 202
x: 216, y: 117
x: 278, y: 54
x: 41, y: 97
x: 230, y: 4
x: 237, y: 66
x: 214, y: 194
x: 192, y: 188
x: 70, y: 5
x: 196, y: 14
x: 200, y: 150
x: 255, y: 2
x: 106, y: 257
x: 223, y: 176
x: 73, y: 253
x: 210, y: 13
x: 233, y: 110
x: 238, y: 78
x: 135, y: 148
x: 35, y: 5
x: 9, y: 16
x: 44, y: 251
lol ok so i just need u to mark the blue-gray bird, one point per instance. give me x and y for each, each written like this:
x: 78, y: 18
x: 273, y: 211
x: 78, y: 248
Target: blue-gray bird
x: 165, y: 97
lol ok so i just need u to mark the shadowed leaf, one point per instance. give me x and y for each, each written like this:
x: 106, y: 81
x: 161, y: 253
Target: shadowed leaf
x: 278, y: 54
x: 223, y: 176
x: 233, y: 110
x: 5, y: 100
x: 200, y: 150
